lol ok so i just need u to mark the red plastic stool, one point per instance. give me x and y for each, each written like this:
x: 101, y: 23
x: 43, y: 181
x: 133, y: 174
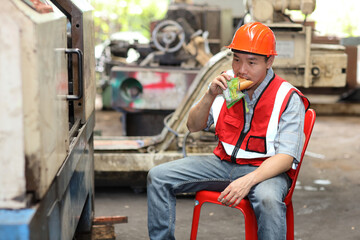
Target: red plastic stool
x: 245, y: 206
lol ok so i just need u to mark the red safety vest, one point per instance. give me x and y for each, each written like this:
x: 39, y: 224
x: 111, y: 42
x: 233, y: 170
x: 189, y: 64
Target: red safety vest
x: 257, y: 144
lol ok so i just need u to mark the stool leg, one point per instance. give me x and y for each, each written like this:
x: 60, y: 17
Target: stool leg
x: 249, y: 219
x: 290, y: 221
x: 250, y: 226
x: 195, y: 221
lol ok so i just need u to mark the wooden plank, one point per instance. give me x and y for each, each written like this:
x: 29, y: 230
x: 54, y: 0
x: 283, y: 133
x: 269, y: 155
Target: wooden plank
x: 110, y: 220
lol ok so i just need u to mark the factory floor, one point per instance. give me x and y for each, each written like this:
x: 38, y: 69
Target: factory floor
x: 326, y: 200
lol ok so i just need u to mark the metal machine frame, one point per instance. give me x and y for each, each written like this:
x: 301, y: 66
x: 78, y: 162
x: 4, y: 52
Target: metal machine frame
x: 66, y: 206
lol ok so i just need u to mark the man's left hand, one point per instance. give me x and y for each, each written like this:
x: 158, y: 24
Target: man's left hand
x: 236, y: 191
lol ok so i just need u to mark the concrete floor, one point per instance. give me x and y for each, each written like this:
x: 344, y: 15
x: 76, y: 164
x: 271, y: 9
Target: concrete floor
x: 326, y: 201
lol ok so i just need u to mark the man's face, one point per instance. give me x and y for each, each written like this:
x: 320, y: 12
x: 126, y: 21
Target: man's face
x: 251, y: 67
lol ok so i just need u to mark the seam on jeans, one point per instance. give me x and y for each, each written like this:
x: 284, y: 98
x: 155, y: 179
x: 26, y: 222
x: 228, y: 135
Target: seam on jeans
x: 170, y: 215
x: 202, y: 180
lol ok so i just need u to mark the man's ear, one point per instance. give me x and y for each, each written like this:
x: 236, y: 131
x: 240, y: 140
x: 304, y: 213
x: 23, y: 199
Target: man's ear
x: 270, y: 61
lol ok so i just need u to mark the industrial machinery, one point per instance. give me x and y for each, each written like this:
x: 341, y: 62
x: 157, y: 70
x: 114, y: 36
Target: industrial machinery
x: 153, y: 86
x: 299, y: 61
x: 47, y: 119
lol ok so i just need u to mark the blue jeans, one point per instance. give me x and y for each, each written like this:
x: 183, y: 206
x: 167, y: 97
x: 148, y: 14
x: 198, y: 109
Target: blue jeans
x: 192, y: 174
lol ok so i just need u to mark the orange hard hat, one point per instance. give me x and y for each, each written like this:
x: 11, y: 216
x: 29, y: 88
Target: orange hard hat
x: 255, y: 38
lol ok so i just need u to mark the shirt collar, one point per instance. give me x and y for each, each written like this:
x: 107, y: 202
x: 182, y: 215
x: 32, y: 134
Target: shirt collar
x: 261, y: 87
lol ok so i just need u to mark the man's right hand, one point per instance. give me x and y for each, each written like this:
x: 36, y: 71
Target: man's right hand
x: 199, y: 113
x: 219, y: 84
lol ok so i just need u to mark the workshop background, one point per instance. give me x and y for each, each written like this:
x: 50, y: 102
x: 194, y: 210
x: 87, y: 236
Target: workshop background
x: 95, y: 93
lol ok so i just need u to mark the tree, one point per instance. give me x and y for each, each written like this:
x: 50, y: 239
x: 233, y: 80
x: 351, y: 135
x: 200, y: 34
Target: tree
x: 112, y: 16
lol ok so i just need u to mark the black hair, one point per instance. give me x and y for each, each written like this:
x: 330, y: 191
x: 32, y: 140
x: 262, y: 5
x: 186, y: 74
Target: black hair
x: 257, y: 54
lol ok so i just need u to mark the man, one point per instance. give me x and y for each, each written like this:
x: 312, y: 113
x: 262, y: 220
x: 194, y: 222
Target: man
x: 260, y: 142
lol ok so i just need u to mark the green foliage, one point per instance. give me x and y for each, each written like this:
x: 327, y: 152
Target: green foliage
x: 348, y: 26
x: 112, y: 16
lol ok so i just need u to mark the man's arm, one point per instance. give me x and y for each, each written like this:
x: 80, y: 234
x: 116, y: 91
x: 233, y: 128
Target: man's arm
x: 199, y: 113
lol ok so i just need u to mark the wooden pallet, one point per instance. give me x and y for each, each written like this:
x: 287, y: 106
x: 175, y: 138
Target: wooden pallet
x: 102, y: 228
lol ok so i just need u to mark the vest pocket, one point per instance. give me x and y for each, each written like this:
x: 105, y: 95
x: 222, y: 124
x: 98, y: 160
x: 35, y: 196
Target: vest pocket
x: 233, y: 121
x: 229, y: 130
x: 256, y: 144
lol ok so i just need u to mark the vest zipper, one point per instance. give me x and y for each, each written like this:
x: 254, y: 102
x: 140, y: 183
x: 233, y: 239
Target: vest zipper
x: 241, y: 137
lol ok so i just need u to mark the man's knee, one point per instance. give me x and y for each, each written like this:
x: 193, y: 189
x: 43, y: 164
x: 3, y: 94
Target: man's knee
x: 269, y: 196
x: 152, y: 174
x: 269, y: 202
x: 157, y: 173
